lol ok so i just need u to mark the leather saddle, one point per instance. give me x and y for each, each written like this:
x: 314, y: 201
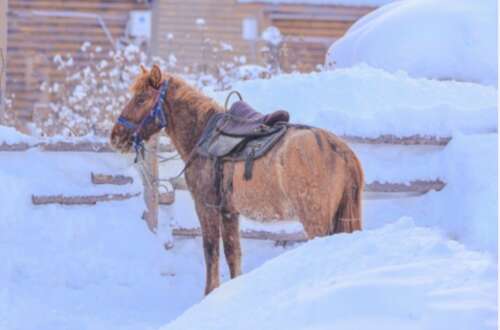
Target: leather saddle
x: 242, y: 134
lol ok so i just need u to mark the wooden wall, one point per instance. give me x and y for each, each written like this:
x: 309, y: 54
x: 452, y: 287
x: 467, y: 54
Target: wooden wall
x: 40, y: 29
x: 176, y: 30
x: 309, y: 30
x: 3, y: 51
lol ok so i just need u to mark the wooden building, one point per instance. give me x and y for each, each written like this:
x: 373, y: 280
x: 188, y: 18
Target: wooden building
x: 40, y: 29
x: 189, y: 29
x: 181, y: 27
x: 3, y: 52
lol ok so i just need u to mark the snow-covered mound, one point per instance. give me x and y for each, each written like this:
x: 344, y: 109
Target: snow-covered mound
x: 467, y: 208
x: 368, y: 102
x: 441, y: 39
x: 397, y: 277
x: 11, y: 136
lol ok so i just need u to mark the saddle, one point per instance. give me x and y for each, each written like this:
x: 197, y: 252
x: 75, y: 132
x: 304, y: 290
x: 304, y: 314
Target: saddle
x: 242, y: 134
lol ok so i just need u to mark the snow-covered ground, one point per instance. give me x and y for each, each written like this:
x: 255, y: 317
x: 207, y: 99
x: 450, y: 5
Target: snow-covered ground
x: 397, y: 277
x: 439, y: 39
x: 424, y: 262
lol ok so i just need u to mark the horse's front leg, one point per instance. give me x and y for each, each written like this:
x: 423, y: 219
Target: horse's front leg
x: 210, y: 220
x: 231, y: 240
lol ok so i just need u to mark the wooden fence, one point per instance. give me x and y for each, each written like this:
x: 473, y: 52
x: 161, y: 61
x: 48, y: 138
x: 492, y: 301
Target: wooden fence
x: 153, y: 198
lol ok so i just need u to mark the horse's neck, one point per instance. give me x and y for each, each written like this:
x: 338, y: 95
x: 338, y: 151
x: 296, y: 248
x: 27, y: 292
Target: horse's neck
x: 188, y: 122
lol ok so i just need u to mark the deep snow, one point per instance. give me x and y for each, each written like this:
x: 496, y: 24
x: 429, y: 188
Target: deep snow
x: 98, y: 267
x: 396, y: 277
x: 439, y: 39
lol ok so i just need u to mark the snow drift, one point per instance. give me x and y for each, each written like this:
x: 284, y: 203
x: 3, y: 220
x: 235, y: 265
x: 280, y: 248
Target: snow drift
x: 440, y: 39
x: 368, y: 102
x: 397, y: 277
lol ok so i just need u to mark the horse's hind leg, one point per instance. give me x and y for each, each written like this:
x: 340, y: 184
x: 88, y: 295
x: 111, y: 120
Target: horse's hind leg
x: 316, y: 211
x: 231, y: 240
x: 348, y: 216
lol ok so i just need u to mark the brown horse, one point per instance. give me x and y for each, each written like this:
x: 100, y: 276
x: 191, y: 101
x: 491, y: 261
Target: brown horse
x: 309, y: 175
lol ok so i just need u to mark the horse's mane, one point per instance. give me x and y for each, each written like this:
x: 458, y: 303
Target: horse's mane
x: 184, y: 93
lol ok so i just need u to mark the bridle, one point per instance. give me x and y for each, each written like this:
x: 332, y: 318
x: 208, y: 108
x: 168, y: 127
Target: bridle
x: 156, y: 115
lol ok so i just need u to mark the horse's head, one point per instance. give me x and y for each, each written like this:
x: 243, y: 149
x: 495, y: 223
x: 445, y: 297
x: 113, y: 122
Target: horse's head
x: 145, y: 114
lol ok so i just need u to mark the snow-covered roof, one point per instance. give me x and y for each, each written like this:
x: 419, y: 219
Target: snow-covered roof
x: 356, y: 3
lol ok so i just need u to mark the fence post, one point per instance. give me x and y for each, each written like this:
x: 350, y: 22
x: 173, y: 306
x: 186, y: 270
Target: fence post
x: 150, y: 174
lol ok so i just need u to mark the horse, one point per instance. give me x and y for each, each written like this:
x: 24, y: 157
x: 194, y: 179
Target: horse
x: 310, y: 175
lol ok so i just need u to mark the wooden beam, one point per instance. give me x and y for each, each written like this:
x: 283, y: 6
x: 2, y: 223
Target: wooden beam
x: 80, y: 200
x: 416, y: 186
x: 67, y: 146
x: 14, y: 146
x: 248, y: 234
x: 119, y: 180
x: 405, y: 140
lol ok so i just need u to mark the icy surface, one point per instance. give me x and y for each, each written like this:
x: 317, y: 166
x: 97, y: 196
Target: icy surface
x: 440, y: 39
x: 367, y: 102
x: 397, y: 277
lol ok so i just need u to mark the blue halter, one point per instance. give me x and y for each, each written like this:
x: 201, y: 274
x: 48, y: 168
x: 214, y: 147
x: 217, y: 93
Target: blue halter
x: 156, y: 114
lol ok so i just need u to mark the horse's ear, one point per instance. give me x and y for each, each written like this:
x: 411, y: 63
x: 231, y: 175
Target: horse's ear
x: 155, y: 76
x: 143, y: 69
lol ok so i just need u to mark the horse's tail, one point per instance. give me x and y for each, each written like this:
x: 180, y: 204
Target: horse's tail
x: 348, y: 216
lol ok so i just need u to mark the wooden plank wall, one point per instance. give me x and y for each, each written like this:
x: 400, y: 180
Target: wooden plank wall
x: 309, y: 29
x: 3, y: 52
x: 33, y: 40
x: 223, y: 20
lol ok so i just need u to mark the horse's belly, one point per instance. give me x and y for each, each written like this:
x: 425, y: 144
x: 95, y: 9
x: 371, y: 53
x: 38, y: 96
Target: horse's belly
x: 261, y: 198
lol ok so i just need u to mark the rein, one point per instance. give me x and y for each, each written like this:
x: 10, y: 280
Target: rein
x: 156, y: 115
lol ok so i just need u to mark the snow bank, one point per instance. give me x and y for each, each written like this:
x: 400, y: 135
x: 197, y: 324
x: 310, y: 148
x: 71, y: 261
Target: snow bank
x: 397, y: 277
x: 369, y: 102
x: 10, y: 135
x: 467, y: 208
x: 440, y: 39
x: 373, y: 3
x: 91, y: 267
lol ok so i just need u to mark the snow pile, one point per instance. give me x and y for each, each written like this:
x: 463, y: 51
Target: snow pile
x: 91, y: 267
x: 369, y: 102
x: 467, y: 208
x: 440, y: 39
x: 10, y: 135
x: 398, y: 277
x: 356, y: 3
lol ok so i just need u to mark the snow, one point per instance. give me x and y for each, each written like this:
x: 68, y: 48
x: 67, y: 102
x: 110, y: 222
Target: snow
x: 426, y: 262
x: 470, y: 167
x: 413, y: 279
x: 356, y: 3
x: 368, y: 102
x: 439, y: 39
x: 10, y: 135
x: 272, y: 35
x: 91, y: 267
